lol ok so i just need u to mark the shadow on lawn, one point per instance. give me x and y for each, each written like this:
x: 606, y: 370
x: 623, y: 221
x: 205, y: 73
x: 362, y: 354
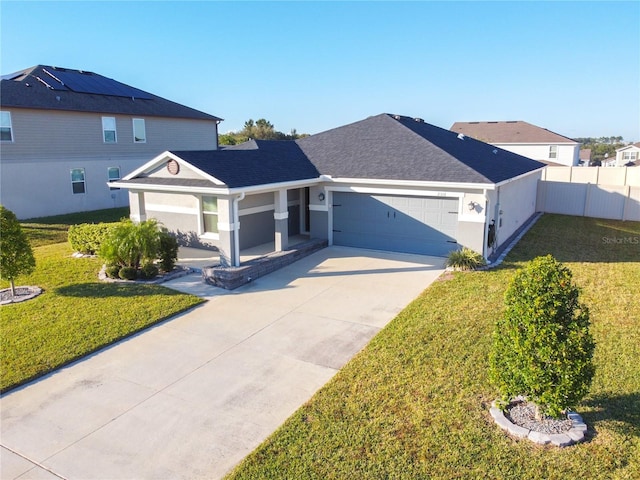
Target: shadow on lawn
x: 579, y: 239
x: 621, y: 412
x: 102, y: 290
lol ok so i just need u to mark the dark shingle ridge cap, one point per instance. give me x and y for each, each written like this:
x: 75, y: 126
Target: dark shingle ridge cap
x: 406, y: 121
x: 41, y: 97
x: 493, y: 163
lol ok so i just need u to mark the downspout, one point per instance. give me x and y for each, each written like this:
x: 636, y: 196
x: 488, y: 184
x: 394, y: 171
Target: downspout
x: 485, y: 238
x: 236, y: 229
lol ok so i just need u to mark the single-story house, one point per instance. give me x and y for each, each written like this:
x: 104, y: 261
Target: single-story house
x: 524, y: 139
x: 388, y: 182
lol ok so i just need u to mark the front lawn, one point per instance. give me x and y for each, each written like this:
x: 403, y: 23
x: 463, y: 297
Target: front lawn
x: 76, y: 314
x: 414, y: 403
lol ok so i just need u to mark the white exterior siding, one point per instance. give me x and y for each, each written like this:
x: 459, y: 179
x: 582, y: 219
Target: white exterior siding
x: 567, y: 154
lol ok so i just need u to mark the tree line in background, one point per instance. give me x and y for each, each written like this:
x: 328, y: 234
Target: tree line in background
x: 601, y: 147
x: 261, y: 129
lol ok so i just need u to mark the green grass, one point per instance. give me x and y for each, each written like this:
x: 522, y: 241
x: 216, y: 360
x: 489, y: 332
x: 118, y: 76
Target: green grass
x: 414, y: 403
x: 76, y: 314
x: 47, y: 230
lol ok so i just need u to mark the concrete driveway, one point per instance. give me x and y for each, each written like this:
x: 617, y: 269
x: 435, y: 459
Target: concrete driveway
x: 191, y: 397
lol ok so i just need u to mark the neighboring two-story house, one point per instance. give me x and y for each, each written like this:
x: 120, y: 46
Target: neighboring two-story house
x: 524, y: 139
x: 628, y: 156
x: 65, y: 133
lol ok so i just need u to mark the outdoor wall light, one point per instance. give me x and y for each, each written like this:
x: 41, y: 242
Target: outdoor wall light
x: 472, y: 205
x: 321, y: 197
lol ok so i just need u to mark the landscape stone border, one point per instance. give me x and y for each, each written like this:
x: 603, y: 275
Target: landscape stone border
x: 23, y: 293
x: 574, y: 435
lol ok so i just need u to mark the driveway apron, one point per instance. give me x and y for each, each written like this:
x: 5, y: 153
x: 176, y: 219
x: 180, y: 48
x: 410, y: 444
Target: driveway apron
x: 192, y: 396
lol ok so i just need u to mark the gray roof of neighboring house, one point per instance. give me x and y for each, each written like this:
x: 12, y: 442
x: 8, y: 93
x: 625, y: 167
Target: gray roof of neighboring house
x: 394, y: 147
x: 383, y: 147
x: 53, y: 88
x: 509, y: 132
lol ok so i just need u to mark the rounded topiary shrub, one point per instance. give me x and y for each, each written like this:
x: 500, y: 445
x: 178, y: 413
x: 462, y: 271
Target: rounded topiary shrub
x: 542, y: 347
x: 128, y: 273
x: 168, y: 251
x: 112, y: 271
x: 148, y: 271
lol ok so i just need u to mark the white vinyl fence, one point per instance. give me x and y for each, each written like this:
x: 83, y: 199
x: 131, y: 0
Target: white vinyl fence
x: 601, y: 192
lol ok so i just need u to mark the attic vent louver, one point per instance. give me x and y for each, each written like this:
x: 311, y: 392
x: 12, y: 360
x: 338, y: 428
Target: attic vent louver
x: 461, y: 136
x: 419, y: 120
x: 397, y: 117
x: 495, y: 152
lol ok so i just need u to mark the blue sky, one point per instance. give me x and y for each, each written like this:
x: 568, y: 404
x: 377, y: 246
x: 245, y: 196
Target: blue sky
x: 571, y: 67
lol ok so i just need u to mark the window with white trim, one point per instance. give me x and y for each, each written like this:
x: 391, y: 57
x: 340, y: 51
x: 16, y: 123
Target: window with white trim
x: 109, y: 130
x: 77, y: 180
x: 113, y: 174
x: 553, y: 151
x: 6, y: 131
x: 139, y: 131
x: 210, y: 215
x: 629, y: 156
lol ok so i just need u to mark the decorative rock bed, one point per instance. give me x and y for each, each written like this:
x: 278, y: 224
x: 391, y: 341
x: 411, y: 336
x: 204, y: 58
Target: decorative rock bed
x: 520, y: 422
x: 177, y: 272
x: 22, y: 293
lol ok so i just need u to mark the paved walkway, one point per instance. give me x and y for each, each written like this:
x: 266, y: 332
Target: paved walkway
x: 191, y: 397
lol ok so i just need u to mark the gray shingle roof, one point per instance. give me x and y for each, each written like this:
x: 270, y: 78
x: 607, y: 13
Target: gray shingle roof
x: 384, y: 147
x: 393, y: 147
x: 24, y: 90
x: 256, y: 162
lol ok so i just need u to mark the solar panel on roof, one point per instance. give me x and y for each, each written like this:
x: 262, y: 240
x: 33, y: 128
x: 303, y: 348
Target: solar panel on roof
x: 87, y: 82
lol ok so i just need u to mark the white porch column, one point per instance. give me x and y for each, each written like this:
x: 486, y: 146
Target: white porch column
x: 227, y: 229
x: 137, y: 209
x: 281, y: 217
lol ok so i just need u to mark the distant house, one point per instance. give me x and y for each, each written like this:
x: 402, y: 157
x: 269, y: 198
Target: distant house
x: 388, y: 182
x: 524, y: 139
x: 628, y: 156
x: 64, y: 133
x: 585, y: 157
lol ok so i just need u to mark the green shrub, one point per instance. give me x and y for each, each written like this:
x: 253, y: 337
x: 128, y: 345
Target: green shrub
x: 168, y: 254
x: 130, y: 244
x: 112, y: 271
x: 128, y: 273
x: 542, y: 347
x: 87, y: 237
x: 465, y: 259
x: 148, y: 271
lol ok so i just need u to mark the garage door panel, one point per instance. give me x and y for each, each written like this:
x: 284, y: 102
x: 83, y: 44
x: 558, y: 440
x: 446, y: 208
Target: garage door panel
x: 426, y: 225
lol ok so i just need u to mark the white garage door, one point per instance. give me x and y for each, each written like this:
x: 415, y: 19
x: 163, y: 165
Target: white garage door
x: 424, y: 225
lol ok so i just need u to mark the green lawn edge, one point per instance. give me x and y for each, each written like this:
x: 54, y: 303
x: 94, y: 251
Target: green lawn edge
x: 76, y: 315
x: 414, y: 403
